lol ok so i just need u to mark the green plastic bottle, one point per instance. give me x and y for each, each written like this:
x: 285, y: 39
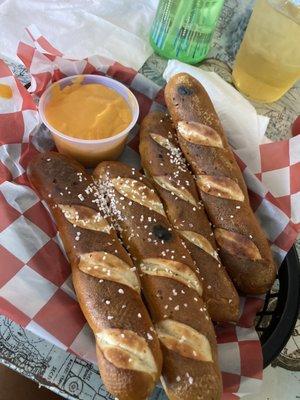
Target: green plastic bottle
x: 183, y: 29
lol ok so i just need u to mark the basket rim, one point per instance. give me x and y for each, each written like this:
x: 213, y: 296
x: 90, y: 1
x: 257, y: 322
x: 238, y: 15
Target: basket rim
x: 285, y: 315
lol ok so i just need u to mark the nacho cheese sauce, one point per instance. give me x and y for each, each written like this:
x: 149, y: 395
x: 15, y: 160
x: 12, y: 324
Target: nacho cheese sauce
x: 5, y: 91
x: 92, y: 111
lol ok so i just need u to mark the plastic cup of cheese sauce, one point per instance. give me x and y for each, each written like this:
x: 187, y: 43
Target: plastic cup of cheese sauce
x: 90, y: 151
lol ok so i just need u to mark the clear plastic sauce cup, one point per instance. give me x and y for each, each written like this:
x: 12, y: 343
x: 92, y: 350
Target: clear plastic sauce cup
x: 91, y: 152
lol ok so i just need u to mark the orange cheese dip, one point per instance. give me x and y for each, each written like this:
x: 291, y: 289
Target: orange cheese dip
x: 5, y: 91
x: 87, y: 111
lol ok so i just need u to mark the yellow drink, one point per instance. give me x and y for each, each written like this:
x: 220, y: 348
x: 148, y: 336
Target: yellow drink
x: 268, y: 61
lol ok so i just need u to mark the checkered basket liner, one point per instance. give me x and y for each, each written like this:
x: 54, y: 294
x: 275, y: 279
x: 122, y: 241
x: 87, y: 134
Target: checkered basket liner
x: 35, y: 284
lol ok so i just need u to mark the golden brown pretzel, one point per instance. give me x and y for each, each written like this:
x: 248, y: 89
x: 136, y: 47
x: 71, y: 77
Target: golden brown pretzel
x: 244, y: 249
x: 105, y: 280
x: 170, y: 284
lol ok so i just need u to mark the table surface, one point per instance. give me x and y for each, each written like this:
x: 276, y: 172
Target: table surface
x: 74, y: 378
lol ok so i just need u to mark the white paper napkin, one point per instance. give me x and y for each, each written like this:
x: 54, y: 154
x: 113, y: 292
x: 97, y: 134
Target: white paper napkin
x: 243, y: 126
x: 117, y: 29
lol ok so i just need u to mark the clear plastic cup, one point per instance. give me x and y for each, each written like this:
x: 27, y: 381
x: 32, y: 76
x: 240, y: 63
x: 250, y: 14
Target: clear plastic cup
x: 91, y: 152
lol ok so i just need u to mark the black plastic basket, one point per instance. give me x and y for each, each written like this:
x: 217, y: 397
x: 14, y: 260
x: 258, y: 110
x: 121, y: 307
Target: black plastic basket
x: 278, y: 317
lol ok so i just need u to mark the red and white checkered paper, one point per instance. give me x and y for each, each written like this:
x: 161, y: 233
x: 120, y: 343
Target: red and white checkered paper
x: 35, y: 284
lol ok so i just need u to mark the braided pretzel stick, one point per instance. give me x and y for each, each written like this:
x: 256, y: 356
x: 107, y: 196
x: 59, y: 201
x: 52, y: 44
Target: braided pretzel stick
x: 164, y: 164
x: 244, y: 249
x: 170, y: 285
x: 105, y: 280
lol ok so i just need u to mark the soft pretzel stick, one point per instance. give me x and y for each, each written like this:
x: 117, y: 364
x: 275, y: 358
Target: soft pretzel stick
x: 244, y: 249
x: 170, y: 284
x: 105, y: 280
